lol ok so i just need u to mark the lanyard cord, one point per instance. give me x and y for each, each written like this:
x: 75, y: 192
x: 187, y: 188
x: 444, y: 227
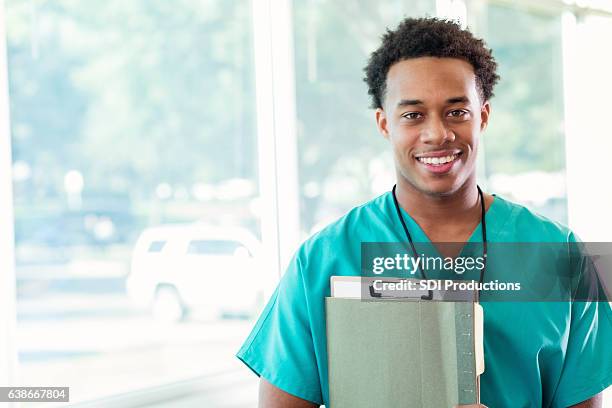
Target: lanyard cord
x: 484, y: 232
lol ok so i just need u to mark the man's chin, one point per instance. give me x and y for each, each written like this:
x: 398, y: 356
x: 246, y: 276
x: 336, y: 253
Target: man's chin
x: 439, y: 191
x: 437, y: 188
x: 432, y: 185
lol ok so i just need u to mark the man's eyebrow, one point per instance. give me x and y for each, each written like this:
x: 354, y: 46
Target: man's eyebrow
x: 406, y: 102
x: 410, y: 102
x: 458, y: 99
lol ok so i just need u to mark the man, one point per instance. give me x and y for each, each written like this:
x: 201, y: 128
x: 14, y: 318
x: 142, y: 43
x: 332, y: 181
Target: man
x: 431, y: 83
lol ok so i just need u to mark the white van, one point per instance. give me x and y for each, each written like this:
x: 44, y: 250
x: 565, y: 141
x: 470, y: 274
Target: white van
x: 191, y: 268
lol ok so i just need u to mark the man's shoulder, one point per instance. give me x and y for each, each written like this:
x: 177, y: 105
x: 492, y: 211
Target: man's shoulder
x: 524, y: 224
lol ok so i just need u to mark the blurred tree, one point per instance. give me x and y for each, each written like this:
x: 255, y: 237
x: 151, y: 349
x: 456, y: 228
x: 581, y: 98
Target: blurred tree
x: 336, y: 129
x: 526, y: 131
x: 138, y: 93
x: 133, y: 93
x: 338, y: 140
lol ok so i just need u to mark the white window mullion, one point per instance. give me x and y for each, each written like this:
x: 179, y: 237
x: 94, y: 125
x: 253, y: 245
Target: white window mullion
x: 276, y: 133
x: 572, y: 137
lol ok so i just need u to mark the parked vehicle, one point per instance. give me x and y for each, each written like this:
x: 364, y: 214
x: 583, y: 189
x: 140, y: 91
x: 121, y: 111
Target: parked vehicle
x: 177, y: 270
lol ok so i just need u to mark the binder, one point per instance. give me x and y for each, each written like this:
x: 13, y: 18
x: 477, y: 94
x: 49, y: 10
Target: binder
x: 390, y: 354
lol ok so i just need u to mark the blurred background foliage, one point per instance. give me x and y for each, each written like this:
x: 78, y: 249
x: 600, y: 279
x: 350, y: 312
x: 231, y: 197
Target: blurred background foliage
x: 151, y: 102
x: 147, y: 100
x: 343, y: 159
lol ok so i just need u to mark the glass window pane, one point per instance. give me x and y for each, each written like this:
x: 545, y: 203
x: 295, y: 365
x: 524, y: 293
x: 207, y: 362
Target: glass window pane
x: 157, y: 246
x: 213, y: 247
x: 343, y: 161
x: 133, y: 125
x: 524, y: 144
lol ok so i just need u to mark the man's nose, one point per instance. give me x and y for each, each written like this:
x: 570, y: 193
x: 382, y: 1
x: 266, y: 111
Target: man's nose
x: 435, y: 132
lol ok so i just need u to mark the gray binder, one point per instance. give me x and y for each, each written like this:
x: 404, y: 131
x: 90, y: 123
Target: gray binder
x: 390, y: 353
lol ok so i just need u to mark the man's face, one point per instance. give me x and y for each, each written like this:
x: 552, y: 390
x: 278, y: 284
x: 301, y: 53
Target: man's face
x: 433, y: 117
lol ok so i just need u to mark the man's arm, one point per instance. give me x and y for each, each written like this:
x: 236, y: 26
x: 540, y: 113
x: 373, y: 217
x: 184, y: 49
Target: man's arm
x: 273, y: 397
x: 595, y: 402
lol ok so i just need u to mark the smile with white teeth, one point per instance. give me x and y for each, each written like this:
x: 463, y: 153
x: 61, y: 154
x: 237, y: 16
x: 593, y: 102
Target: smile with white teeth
x: 438, y: 161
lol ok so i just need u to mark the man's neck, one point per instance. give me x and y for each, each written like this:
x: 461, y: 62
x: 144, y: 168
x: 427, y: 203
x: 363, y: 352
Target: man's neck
x: 431, y: 207
x: 449, y: 218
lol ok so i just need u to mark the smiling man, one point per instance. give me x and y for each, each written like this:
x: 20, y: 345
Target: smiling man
x: 431, y: 84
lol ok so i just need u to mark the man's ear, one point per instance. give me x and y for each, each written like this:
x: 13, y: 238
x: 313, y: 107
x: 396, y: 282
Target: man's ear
x: 381, y: 123
x: 485, y: 111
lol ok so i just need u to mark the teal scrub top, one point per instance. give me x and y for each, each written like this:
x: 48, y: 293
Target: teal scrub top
x: 537, y: 354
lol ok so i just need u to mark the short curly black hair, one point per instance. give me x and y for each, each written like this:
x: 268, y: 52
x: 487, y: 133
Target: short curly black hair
x: 429, y: 37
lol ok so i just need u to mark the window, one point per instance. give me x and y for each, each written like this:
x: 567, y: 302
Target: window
x: 343, y: 161
x: 138, y: 119
x: 128, y: 116
x: 156, y: 246
x: 213, y: 247
x: 524, y: 145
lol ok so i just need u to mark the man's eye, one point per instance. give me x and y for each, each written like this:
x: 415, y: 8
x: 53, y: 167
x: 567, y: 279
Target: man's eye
x: 412, y: 115
x: 457, y: 113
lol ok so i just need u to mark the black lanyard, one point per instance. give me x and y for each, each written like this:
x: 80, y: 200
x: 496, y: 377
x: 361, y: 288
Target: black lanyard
x: 484, y: 236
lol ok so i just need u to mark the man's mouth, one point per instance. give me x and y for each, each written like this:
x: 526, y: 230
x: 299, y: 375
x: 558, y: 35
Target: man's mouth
x: 438, y: 162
